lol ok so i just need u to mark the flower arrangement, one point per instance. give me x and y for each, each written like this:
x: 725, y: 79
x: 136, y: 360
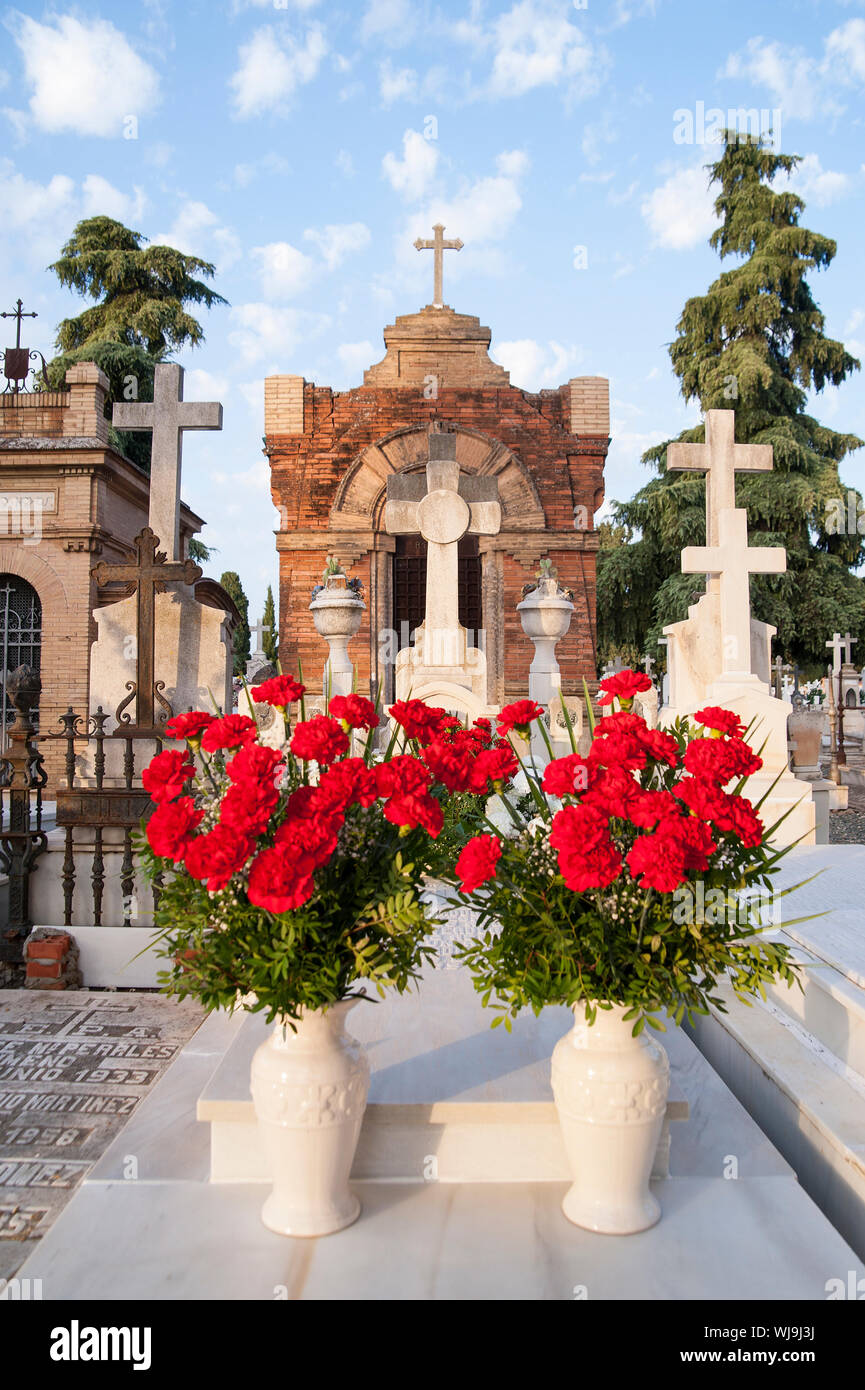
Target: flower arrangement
x: 586, y: 901
x: 295, y: 873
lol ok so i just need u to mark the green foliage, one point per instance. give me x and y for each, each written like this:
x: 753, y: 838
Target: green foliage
x: 754, y: 342
x: 198, y: 551
x: 139, y: 318
x: 230, y: 581
x: 270, y: 640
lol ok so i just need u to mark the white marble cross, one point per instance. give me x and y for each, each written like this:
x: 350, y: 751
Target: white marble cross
x: 258, y: 630
x: 167, y: 416
x: 443, y: 516
x: 733, y: 560
x: 648, y: 665
x: 835, y: 645
x: 438, y: 246
x: 720, y: 458
x: 847, y: 644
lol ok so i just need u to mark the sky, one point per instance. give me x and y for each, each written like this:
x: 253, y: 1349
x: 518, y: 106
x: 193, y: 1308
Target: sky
x: 302, y: 146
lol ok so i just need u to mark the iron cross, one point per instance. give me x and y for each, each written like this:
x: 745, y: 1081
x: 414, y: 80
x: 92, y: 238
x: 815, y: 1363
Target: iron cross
x: 149, y: 572
x: 19, y: 314
x: 438, y: 246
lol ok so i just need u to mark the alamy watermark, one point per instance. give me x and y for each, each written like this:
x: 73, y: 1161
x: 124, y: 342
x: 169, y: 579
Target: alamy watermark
x: 702, y: 127
x: 21, y: 514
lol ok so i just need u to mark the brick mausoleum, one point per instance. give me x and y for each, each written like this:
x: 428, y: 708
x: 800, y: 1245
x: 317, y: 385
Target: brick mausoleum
x: 331, y: 453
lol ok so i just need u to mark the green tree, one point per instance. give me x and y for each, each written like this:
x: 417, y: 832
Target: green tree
x: 230, y: 581
x: 139, y: 317
x: 754, y: 342
x: 270, y: 640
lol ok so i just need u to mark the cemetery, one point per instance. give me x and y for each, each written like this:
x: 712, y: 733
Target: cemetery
x: 484, y: 921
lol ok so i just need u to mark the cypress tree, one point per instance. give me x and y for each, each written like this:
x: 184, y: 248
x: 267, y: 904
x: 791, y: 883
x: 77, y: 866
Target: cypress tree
x: 270, y: 640
x: 230, y: 581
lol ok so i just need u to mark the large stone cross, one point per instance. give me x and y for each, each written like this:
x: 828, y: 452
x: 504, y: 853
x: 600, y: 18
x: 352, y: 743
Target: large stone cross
x: 449, y: 507
x: 257, y: 630
x: 732, y: 560
x: 438, y: 246
x: 149, y: 573
x: 720, y: 458
x: 839, y: 645
x: 167, y: 416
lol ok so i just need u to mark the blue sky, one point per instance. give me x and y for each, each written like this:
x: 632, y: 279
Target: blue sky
x: 303, y: 145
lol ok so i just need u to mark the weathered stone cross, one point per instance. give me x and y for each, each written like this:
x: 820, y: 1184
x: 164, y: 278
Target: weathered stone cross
x: 438, y: 246
x: 732, y: 560
x: 720, y: 458
x: 167, y: 416
x: 837, y: 644
x: 258, y: 630
x: 449, y: 508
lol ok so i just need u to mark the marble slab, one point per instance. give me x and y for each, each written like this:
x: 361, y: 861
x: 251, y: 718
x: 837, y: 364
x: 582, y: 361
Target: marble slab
x: 837, y: 895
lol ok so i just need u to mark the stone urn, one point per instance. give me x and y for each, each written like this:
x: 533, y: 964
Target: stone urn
x: 545, y: 614
x: 309, y: 1086
x: 337, y: 610
x: 610, y: 1090
x: 805, y: 730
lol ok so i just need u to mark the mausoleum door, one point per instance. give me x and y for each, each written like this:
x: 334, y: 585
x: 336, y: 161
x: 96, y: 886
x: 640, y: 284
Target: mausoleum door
x: 20, y: 638
x: 409, y: 587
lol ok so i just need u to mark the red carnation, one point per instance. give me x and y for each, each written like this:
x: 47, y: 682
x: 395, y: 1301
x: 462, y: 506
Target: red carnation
x: 618, y: 749
x: 567, y: 776
x: 720, y: 760
x: 190, y: 725
x: 596, y: 868
x: 746, y: 823
x: 613, y: 793
x: 312, y: 841
x: 663, y: 859
x: 256, y: 762
x: 231, y: 731
x: 623, y: 686
x: 279, y: 691
x: 279, y: 882
x: 214, y: 857
x: 660, y: 746
x: 496, y: 765
x: 319, y: 740
x: 166, y: 775
x: 171, y: 826
x: 449, y: 764
x: 587, y: 856
x: 578, y: 828
x: 477, y: 862
x: 621, y: 722
x: 420, y: 721
x: 354, y: 712
x: 349, y: 782
x: 647, y: 808
x: 414, y: 809
x: 401, y: 774
x: 724, y: 720
x: 519, y: 716
x: 247, y: 806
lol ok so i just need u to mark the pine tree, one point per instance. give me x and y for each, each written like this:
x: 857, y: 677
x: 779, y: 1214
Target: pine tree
x: 230, y: 581
x: 270, y: 639
x: 139, y: 317
x: 754, y: 343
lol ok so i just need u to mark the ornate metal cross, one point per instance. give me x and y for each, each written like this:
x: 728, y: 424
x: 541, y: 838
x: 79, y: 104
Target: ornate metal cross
x: 150, y: 573
x: 19, y: 314
x: 438, y: 246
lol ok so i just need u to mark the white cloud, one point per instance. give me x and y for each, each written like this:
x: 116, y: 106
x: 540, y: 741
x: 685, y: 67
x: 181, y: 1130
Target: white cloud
x: 512, y: 163
x: 336, y: 241
x: 534, y: 365
x: 388, y: 21
x: 596, y: 136
x: 355, y: 358
x: 845, y: 52
x: 197, y: 228
x: 84, y: 75
x: 272, y: 163
x: 679, y: 213
x: 396, y: 84
x: 345, y: 163
x: 265, y: 331
x: 282, y: 270
x: 534, y: 44
x: 814, y: 183
x: 412, y: 175
x: 200, y: 385
x: 273, y: 64
x: 102, y: 199
x: 25, y: 203
x: 802, y: 83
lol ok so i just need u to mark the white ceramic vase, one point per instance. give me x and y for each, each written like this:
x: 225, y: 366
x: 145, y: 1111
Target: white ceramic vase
x: 309, y: 1090
x: 611, y: 1092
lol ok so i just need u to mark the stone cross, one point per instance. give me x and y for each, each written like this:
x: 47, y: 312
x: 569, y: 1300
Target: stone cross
x: 836, y: 644
x: 847, y: 643
x: 720, y: 458
x: 149, y: 573
x: 648, y: 664
x: 438, y: 246
x: 258, y: 630
x: 167, y: 416
x: 732, y: 560
x: 450, y: 507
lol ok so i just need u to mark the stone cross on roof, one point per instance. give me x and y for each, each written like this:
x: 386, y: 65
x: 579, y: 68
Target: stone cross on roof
x: 733, y: 561
x: 438, y: 246
x: 167, y: 416
x: 720, y: 458
x: 449, y: 507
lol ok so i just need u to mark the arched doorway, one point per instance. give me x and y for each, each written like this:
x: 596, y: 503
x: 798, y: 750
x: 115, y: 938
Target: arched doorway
x: 20, y: 638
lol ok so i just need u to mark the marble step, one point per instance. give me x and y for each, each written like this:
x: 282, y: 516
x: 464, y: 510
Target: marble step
x: 450, y: 1098
x: 830, y: 1006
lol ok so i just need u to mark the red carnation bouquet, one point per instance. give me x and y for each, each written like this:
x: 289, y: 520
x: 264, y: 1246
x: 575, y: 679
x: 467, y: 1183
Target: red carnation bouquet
x: 293, y: 873
x: 638, y: 876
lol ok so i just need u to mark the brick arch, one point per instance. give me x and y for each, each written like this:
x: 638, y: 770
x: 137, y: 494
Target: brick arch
x: 47, y: 583
x: 360, y: 496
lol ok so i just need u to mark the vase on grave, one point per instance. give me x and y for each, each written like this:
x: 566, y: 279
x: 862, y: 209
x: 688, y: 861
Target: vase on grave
x: 309, y: 1085
x: 805, y: 728
x: 337, y: 610
x: 545, y: 613
x: 610, y: 1090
